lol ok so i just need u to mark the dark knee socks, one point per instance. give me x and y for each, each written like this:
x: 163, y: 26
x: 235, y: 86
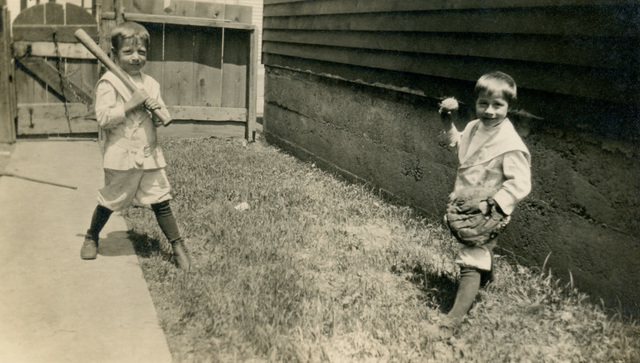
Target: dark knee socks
x: 467, y: 291
x: 98, y: 220
x: 166, y: 221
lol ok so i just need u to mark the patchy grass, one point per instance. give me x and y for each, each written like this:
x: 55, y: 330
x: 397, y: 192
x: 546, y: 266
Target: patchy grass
x: 321, y: 270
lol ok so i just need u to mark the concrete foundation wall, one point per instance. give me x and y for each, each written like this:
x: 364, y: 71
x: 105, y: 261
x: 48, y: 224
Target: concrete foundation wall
x: 585, y: 204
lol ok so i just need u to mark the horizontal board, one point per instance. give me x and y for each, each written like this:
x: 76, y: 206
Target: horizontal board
x: 208, y: 113
x: 557, y: 21
x: 44, y: 33
x: 203, y: 129
x: 577, y: 81
x: 48, y: 49
x: 47, y: 118
x: 600, y: 52
x: 324, y: 7
x: 180, y: 20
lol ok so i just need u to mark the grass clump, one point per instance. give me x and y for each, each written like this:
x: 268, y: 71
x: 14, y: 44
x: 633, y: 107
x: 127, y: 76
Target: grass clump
x: 317, y: 269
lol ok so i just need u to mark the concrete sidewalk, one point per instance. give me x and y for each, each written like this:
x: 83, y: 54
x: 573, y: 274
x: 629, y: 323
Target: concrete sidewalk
x: 55, y: 307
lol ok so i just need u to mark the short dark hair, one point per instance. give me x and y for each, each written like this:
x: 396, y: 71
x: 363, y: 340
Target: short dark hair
x: 128, y: 29
x: 498, y: 82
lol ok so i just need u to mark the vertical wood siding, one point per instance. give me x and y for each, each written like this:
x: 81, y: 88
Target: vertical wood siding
x: 584, y: 48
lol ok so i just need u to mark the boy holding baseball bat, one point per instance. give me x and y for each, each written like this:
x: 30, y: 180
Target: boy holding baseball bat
x: 132, y: 160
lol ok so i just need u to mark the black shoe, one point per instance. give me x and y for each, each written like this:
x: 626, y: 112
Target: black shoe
x: 89, y: 250
x: 181, y: 257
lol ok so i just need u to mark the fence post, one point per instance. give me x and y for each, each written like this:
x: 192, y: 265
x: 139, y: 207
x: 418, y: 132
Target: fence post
x: 8, y: 106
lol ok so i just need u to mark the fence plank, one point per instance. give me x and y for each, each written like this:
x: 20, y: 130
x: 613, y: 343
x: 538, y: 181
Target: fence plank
x: 54, y: 13
x: 208, y: 113
x: 208, y: 67
x: 234, y: 68
x: 48, y: 49
x: 178, y: 66
x: 238, y: 13
x: 44, y: 33
x: 155, y: 64
x: 7, y: 81
x: 47, y: 119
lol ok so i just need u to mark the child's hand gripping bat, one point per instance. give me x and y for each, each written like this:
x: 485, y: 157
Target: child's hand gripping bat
x: 86, y: 40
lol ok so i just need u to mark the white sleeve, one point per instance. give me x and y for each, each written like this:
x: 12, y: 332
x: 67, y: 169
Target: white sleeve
x: 109, y: 112
x: 517, y: 170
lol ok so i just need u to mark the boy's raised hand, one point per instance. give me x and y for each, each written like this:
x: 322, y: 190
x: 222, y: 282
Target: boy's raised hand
x: 138, y: 98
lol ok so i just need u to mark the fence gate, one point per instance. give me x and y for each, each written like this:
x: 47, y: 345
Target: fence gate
x: 55, y: 74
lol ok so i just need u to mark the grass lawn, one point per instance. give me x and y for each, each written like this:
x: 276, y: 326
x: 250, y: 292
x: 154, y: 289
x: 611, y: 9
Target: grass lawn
x: 317, y: 269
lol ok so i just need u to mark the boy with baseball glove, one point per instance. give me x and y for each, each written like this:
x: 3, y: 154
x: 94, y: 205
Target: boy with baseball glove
x: 494, y: 174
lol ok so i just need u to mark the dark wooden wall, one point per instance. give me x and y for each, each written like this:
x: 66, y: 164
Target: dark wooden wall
x: 575, y: 48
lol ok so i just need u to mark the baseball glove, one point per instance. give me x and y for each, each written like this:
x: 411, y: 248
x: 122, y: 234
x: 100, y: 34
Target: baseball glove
x: 468, y: 223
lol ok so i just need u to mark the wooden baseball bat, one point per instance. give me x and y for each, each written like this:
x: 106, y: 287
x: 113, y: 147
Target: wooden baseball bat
x: 86, y: 40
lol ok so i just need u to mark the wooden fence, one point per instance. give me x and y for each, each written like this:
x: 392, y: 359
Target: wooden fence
x: 203, y: 54
x: 8, y: 112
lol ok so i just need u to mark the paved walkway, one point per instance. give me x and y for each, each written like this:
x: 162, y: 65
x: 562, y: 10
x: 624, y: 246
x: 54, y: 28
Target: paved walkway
x: 55, y: 307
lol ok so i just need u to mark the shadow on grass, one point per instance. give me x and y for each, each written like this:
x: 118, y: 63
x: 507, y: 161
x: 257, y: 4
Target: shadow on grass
x: 147, y: 247
x: 439, y: 289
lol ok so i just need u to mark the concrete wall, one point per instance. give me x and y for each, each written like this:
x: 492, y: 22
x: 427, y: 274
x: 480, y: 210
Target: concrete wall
x: 585, y: 204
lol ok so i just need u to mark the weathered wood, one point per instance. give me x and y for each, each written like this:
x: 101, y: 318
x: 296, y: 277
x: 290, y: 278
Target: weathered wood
x: 177, y: 83
x: 203, y: 129
x: 77, y: 15
x: 178, y: 20
x: 144, y: 6
x: 207, y: 73
x: 83, y: 74
x: 155, y: 65
x: 40, y: 22
x: 592, y: 52
x: 44, y: 33
x: 560, y: 21
x: 48, y: 49
x: 234, y: 68
x: 46, y: 118
x: 287, y: 8
x: 209, y: 10
x: 198, y: 113
x: 8, y: 110
x: 54, y: 13
x: 183, y: 8
x: 238, y: 13
x: 51, y: 77
x: 583, y: 82
x: 29, y: 89
x: 252, y: 93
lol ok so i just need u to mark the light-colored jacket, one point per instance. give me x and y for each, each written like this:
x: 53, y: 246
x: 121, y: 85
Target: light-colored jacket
x: 130, y: 141
x: 503, y: 163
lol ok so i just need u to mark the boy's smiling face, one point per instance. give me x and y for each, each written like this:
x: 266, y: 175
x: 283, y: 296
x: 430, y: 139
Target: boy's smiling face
x: 491, y: 108
x: 132, y: 55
